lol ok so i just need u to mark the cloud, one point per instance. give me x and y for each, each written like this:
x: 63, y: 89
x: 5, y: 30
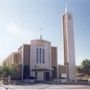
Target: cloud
x: 13, y: 29
x: 21, y: 33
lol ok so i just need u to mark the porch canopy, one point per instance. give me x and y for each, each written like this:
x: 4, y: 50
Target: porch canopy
x: 41, y: 70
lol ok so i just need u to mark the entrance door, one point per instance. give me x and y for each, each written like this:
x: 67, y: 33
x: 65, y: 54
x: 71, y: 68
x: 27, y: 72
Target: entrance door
x: 40, y: 76
x: 47, y: 76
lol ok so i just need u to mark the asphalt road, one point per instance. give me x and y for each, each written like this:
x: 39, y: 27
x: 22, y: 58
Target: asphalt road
x: 45, y: 87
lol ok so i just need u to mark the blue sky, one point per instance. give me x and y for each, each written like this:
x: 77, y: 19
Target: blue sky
x: 21, y: 20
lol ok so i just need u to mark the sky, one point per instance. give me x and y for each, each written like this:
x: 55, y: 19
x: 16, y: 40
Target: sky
x: 21, y: 20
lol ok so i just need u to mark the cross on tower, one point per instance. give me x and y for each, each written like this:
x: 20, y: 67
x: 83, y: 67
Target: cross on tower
x: 41, y: 33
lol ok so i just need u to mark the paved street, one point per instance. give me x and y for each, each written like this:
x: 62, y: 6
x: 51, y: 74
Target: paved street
x: 45, y: 87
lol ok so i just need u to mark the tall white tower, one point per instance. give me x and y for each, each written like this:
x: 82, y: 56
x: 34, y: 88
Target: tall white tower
x: 69, y: 49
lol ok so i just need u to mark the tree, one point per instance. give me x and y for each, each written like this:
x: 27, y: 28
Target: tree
x: 14, y: 72
x: 85, y: 67
x: 1, y: 71
x: 6, y: 71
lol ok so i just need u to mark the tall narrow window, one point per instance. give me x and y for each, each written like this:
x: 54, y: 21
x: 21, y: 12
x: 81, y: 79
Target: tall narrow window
x: 40, y: 55
x: 37, y: 55
x: 43, y: 56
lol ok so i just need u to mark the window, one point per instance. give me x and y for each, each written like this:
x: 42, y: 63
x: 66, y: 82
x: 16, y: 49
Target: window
x: 37, y: 54
x: 40, y: 55
x: 69, y: 17
x: 43, y: 56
